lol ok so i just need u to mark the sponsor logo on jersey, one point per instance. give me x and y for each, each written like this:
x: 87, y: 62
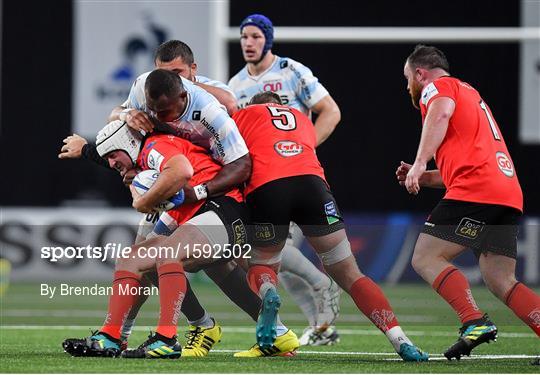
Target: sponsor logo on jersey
x: 155, y: 159
x: 283, y: 64
x: 505, y: 164
x: 288, y: 148
x: 273, y: 86
x: 196, y: 115
x: 469, y: 228
x: 429, y: 92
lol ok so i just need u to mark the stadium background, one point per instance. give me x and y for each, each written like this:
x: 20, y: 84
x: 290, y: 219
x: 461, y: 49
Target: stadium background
x: 379, y: 127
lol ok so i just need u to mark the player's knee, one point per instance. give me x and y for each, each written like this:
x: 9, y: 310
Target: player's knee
x: 337, y: 254
x: 418, y: 262
x: 265, y: 258
x: 499, y: 283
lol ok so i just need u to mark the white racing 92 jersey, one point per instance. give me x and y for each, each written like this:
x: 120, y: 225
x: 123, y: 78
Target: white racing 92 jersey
x: 292, y: 81
x: 204, y: 122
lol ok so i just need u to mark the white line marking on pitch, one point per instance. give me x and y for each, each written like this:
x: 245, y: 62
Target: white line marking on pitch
x: 367, y: 332
x: 434, y: 357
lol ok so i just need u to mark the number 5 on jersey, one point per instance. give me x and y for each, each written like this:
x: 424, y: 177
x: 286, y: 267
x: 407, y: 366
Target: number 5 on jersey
x: 282, y: 118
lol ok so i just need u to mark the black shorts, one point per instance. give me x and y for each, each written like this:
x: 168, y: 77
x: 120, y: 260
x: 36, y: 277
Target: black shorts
x: 306, y: 200
x: 234, y: 215
x: 481, y: 227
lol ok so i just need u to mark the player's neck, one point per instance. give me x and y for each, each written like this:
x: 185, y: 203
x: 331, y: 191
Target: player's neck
x: 436, y: 74
x: 256, y: 69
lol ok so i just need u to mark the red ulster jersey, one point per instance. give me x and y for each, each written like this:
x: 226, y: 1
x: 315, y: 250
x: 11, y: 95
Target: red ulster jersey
x: 159, y: 148
x: 473, y: 159
x: 281, y: 142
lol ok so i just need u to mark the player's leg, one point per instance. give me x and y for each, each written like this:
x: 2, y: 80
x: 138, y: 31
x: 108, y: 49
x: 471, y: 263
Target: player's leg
x: 498, y: 271
x: 125, y: 291
x: 432, y: 261
x: 269, y: 229
x: 452, y: 227
x: 338, y: 260
x: 317, y: 214
x: 173, y: 288
x: 231, y: 278
x: 312, y: 290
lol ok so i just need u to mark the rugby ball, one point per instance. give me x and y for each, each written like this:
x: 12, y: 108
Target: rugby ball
x: 144, y: 181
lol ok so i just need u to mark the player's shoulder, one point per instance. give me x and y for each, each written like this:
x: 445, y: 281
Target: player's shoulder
x: 209, y: 81
x: 141, y: 79
x: 446, y: 86
x: 289, y: 64
x: 155, y: 140
x: 241, y: 75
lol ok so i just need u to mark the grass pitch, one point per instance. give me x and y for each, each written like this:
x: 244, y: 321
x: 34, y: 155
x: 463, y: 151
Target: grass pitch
x: 33, y: 327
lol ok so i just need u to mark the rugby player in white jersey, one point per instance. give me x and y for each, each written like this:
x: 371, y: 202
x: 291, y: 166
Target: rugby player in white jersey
x: 315, y: 293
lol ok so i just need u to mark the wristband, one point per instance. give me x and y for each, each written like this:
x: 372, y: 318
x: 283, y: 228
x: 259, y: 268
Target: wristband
x: 201, y: 191
x: 122, y: 115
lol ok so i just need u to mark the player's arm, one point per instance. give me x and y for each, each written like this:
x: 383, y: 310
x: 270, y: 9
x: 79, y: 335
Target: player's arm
x: 230, y: 176
x: 223, y: 96
x: 328, y: 117
x: 175, y: 174
x: 131, y: 111
x: 433, y: 132
x: 431, y: 179
x: 233, y: 155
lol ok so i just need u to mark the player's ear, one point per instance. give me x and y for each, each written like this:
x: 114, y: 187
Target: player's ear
x: 194, y: 69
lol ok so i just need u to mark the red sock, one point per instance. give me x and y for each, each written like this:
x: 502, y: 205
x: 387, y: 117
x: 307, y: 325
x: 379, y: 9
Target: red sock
x: 172, y: 289
x: 120, y: 302
x: 258, y: 275
x: 371, y: 300
x: 452, y: 285
x: 525, y: 304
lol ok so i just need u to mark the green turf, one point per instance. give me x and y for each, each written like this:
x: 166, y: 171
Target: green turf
x: 38, y: 350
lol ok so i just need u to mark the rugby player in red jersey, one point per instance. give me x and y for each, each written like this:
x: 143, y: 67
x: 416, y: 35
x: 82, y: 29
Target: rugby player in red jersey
x: 482, y: 204
x: 288, y: 184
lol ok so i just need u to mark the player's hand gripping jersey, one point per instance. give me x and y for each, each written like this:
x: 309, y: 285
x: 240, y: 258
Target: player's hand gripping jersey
x: 204, y: 122
x: 159, y: 148
x: 281, y: 142
x: 473, y: 160
x: 292, y: 81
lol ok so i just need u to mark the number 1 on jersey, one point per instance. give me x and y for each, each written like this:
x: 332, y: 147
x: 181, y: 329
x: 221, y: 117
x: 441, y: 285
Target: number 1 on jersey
x: 491, y: 121
x: 282, y: 118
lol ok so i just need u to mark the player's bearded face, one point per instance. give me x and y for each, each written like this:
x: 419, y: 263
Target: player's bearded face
x: 252, y: 42
x: 413, y: 86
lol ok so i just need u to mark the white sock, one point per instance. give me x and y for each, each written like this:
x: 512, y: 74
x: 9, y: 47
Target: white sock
x: 396, y: 336
x: 293, y: 261
x: 281, y: 329
x: 265, y: 287
x: 206, y: 321
x: 302, y: 294
x: 127, y: 327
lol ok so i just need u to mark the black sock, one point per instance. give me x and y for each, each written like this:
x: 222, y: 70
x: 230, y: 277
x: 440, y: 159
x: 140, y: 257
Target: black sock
x: 236, y: 287
x: 191, y: 307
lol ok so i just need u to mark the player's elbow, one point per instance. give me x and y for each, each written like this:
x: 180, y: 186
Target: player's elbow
x: 243, y: 168
x: 230, y: 105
